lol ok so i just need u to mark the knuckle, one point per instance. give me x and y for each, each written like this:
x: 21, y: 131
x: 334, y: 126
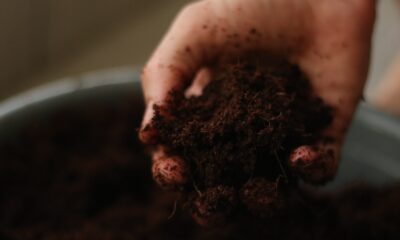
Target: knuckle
x: 189, y: 9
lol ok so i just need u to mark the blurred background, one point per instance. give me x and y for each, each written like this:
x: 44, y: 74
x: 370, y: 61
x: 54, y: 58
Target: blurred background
x: 44, y: 40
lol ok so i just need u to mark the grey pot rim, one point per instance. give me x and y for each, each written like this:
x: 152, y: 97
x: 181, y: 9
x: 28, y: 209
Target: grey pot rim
x: 65, y: 86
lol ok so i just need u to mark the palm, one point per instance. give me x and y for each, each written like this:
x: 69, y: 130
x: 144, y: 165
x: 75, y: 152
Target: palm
x: 329, y: 40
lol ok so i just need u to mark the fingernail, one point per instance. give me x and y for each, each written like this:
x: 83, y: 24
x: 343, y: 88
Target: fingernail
x: 303, y: 155
x: 170, y: 173
x: 314, y: 164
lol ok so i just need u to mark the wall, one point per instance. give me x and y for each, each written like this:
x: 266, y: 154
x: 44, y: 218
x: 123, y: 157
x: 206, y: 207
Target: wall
x: 36, y: 33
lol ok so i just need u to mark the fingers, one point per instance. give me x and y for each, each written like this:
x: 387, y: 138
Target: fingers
x: 182, y: 52
x: 337, y: 66
x: 169, y: 172
x: 315, y: 164
x: 147, y: 133
x: 339, y: 82
x: 202, y: 78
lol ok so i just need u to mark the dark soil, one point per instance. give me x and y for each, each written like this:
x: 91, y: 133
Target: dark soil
x: 244, y: 127
x: 80, y: 173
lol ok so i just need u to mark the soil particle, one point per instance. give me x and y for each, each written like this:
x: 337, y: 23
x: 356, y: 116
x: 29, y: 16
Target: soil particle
x: 188, y: 49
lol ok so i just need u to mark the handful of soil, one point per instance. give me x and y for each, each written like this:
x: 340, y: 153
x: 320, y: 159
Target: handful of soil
x: 236, y: 138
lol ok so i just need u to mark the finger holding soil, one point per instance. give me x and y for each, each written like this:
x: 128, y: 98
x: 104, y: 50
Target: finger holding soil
x: 329, y: 41
x: 169, y: 172
x: 314, y: 164
x: 242, y: 130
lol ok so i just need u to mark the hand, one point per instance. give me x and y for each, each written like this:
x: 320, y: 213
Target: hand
x: 387, y: 93
x: 328, y: 40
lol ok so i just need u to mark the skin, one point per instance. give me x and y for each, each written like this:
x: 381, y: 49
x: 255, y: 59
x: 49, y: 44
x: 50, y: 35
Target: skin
x: 387, y: 95
x: 168, y: 172
x: 328, y: 40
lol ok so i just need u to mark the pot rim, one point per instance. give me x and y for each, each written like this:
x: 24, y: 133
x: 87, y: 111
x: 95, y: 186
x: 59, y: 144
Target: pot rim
x: 68, y: 85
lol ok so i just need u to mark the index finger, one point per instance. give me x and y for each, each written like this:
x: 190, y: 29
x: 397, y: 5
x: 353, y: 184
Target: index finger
x: 182, y: 52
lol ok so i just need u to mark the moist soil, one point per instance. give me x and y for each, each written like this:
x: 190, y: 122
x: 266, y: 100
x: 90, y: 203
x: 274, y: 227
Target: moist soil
x: 80, y: 173
x: 238, y: 135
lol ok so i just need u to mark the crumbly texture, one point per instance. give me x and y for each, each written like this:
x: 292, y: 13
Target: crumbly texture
x: 80, y: 173
x: 244, y: 126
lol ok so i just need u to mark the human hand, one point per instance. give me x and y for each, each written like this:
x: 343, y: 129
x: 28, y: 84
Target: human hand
x: 328, y: 40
